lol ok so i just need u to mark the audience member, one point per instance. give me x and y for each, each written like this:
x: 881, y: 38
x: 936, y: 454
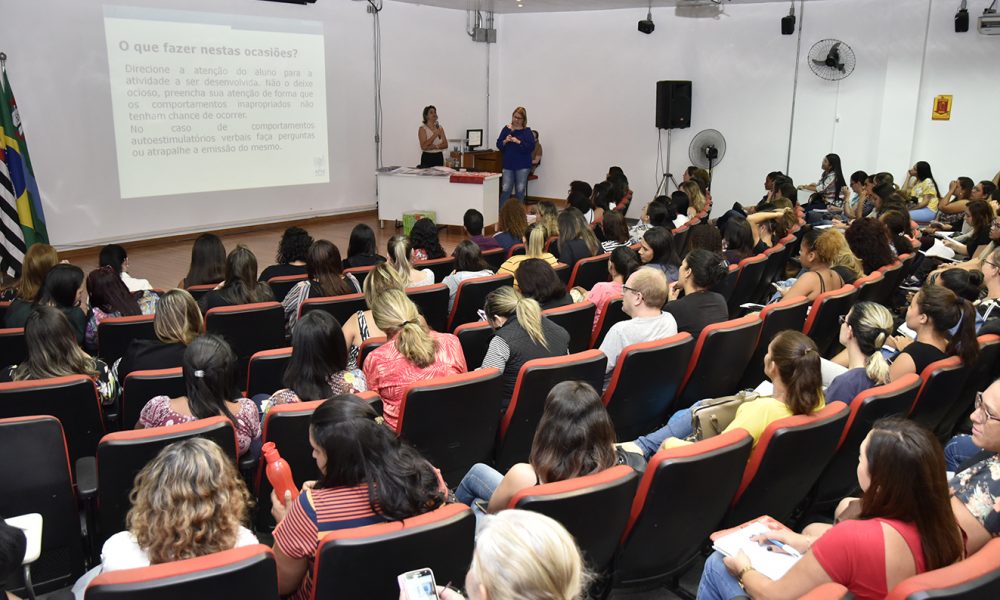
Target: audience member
x: 469, y: 264
x: 863, y: 332
x: 903, y: 526
x: 585, y: 204
x: 660, y: 212
x: 115, y: 256
x: 37, y: 261
x: 623, y: 262
x: 241, y: 285
x: 737, y: 240
x: 108, y: 296
x: 656, y: 250
x: 704, y: 236
x: 699, y: 307
x: 615, y: 231
x: 643, y: 296
x: 945, y: 326
x: 845, y: 263
x: 976, y: 461
x: 534, y: 246
x: 898, y: 225
x: 400, y: 256
x: 988, y: 307
x: 208, y: 262
x: 424, y: 240
x: 318, y: 367
x: 325, y: 278
x: 511, y: 224
x: 682, y: 205
x: 817, y: 253
x: 13, y: 546
x: 831, y: 183
x: 362, y: 251
x: 361, y: 325
x: 979, y: 216
x: 473, y: 221
x: 921, y: 186
x: 521, y: 334
x: 869, y: 241
x: 859, y: 201
x: 580, y: 186
x: 951, y: 206
x: 575, y: 437
x: 177, y: 323
x: 209, y: 368
x: 576, y: 240
x: 548, y: 217
x: 539, y: 281
x: 769, y: 225
x: 696, y: 198
x: 54, y: 352
x: 293, y: 249
x: 965, y: 284
x: 368, y: 476
x: 412, y: 353
x: 62, y: 288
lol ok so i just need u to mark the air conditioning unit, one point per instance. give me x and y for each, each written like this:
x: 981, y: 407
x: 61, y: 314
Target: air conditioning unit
x: 989, y: 24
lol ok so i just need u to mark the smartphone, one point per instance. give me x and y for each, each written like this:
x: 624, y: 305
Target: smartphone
x: 418, y: 585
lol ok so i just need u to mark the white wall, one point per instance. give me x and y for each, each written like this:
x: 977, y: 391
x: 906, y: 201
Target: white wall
x: 58, y: 69
x: 588, y: 79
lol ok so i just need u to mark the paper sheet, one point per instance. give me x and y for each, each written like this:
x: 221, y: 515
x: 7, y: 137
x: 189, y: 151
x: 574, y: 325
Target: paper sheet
x: 771, y: 564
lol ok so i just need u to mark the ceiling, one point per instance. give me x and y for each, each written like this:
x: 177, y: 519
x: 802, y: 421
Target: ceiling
x: 511, y: 6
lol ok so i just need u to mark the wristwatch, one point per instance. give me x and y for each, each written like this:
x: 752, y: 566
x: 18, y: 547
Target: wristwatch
x: 742, y: 573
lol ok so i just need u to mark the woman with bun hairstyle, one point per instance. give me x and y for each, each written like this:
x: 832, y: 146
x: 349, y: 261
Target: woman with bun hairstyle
x: 623, y: 262
x: 818, y: 252
x: 401, y: 257
x: 699, y: 307
x: 945, y: 325
x: 863, y: 332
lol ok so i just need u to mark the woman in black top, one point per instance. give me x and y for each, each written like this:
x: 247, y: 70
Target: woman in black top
x: 291, y: 256
x: 979, y: 215
x: 538, y: 280
x: 208, y: 261
x: 945, y: 326
x: 176, y: 324
x: 241, y: 285
x: 361, y: 249
x: 700, y: 306
x: 576, y: 240
x: 62, y: 289
x: 737, y: 240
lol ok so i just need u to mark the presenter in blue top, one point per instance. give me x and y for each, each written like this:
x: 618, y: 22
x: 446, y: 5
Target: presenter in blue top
x: 516, y: 143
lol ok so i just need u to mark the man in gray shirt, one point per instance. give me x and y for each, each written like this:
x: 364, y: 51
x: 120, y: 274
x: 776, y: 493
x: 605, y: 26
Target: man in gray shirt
x: 643, y: 296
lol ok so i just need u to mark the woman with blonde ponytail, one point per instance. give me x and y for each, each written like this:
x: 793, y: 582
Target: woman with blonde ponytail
x: 534, y: 247
x: 522, y: 334
x: 412, y: 353
x: 863, y: 332
x: 401, y: 257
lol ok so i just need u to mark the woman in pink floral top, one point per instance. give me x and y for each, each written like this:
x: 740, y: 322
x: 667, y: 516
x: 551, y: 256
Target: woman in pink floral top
x: 210, y: 378
x: 318, y: 367
x: 413, y: 352
x: 623, y: 261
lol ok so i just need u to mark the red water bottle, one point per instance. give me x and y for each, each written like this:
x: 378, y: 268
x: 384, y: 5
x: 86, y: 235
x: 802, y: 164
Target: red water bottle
x: 278, y: 472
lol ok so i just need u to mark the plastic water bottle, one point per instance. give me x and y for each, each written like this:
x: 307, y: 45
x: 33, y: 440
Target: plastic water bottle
x: 278, y: 472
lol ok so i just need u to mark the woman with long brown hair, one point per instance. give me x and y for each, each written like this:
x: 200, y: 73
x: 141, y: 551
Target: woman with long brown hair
x: 240, y: 285
x: 326, y: 277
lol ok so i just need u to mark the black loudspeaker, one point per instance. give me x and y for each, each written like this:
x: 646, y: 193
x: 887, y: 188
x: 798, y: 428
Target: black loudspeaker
x: 962, y: 21
x: 788, y: 25
x: 673, y: 104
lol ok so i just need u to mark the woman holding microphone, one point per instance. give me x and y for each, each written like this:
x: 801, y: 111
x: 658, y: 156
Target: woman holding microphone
x: 516, y: 142
x: 433, y: 141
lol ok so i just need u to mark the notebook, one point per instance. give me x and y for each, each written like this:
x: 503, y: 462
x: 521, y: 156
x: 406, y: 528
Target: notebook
x: 769, y: 563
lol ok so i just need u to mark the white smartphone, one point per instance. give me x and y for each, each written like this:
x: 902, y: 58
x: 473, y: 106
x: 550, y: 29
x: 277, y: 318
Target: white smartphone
x: 418, y: 585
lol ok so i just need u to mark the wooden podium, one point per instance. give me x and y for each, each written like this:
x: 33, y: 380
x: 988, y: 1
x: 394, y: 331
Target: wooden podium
x: 482, y: 161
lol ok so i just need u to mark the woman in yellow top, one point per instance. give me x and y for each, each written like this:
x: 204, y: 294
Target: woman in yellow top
x: 921, y: 186
x: 534, y: 241
x: 792, y: 364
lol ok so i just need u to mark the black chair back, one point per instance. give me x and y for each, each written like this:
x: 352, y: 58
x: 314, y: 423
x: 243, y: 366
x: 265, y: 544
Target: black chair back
x: 267, y: 370
x: 13, y: 348
x: 432, y: 300
x: 789, y: 313
x: 475, y: 340
x: 114, y: 335
x: 471, y: 296
x: 442, y: 267
x: 248, y: 328
x: 140, y: 387
x: 578, y: 321
x: 341, y: 307
x: 719, y: 359
x: 611, y: 314
x: 588, y: 272
x: 287, y: 425
x: 283, y: 284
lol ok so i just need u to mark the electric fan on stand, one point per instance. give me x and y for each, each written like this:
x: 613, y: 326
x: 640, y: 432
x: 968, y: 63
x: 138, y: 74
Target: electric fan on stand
x: 707, y: 150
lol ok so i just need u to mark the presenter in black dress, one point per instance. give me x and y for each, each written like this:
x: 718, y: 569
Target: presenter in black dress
x: 433, y: 141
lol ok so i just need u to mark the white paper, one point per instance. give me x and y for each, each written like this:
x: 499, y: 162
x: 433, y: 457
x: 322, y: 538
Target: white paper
x: 771, y: 564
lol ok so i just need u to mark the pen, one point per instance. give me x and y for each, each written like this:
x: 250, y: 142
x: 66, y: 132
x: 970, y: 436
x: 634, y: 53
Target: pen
x: 785, y: 548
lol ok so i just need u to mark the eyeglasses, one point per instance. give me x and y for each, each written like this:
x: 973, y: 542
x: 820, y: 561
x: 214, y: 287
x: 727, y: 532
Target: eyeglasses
x: 626, y: 288
x: 986, y: 262
x: 982, y: 407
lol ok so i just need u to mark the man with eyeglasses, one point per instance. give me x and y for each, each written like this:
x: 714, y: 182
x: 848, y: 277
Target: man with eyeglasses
x: 976, y: 485
x: 643, y: 297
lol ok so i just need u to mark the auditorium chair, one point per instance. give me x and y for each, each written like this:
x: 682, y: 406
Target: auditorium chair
x: 682, y: 497
x: 494, y: 257
x: 774, y: 268
x: 197, y: 291
x: 266, y: 371
x: 982, y: 374
x: 840, y: 479
x: 287, y: 426
x: 588, y: 272
x: 3, y: 310
x: 283, y: 284
x: 140, y: 387
x: 718, y: 360
x: 475, y: 341
x: 121, y: 455
x: 453, y: 420
x: 37, y: 478
x: 534, y: 382
x: 114, y: 334
x: 247, y: 573
x: 751, y: 272
x: 552, y: 245
x: 13, y: 349
x: 873, y: 288
x: 941, y: 382
x: 594, y: 509
x: 360, y: 273
x: 367, y: 347
x: 562, y: 272
x: 441, y: 267
x: 471, y: 296
x: 823, y: 322
x: 789, y: 313
x: 976, y: 577
x: 517, y: 248
x: 578, y: 321
x: 644, y: 382
x: 611, y: 314
x: 248, y: 328
x: 893, y: 274
x: 727, y: 284
x: 341, y: 307
x: 432, y: 301
x: 785, y: 464
x: 72, y: 399
x: 363, y: 562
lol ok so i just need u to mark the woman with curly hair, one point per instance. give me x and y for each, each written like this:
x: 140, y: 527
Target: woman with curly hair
x: 869, y: 241
x: 291, y: 257
x: 424, y: 241
x: 187, y: 502
x: 817, y: 253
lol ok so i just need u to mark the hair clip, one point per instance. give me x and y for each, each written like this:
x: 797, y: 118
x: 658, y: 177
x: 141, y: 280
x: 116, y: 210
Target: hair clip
x: 199, y: 373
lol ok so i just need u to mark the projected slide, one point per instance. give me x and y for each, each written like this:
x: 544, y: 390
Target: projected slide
x: 205, y: 102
